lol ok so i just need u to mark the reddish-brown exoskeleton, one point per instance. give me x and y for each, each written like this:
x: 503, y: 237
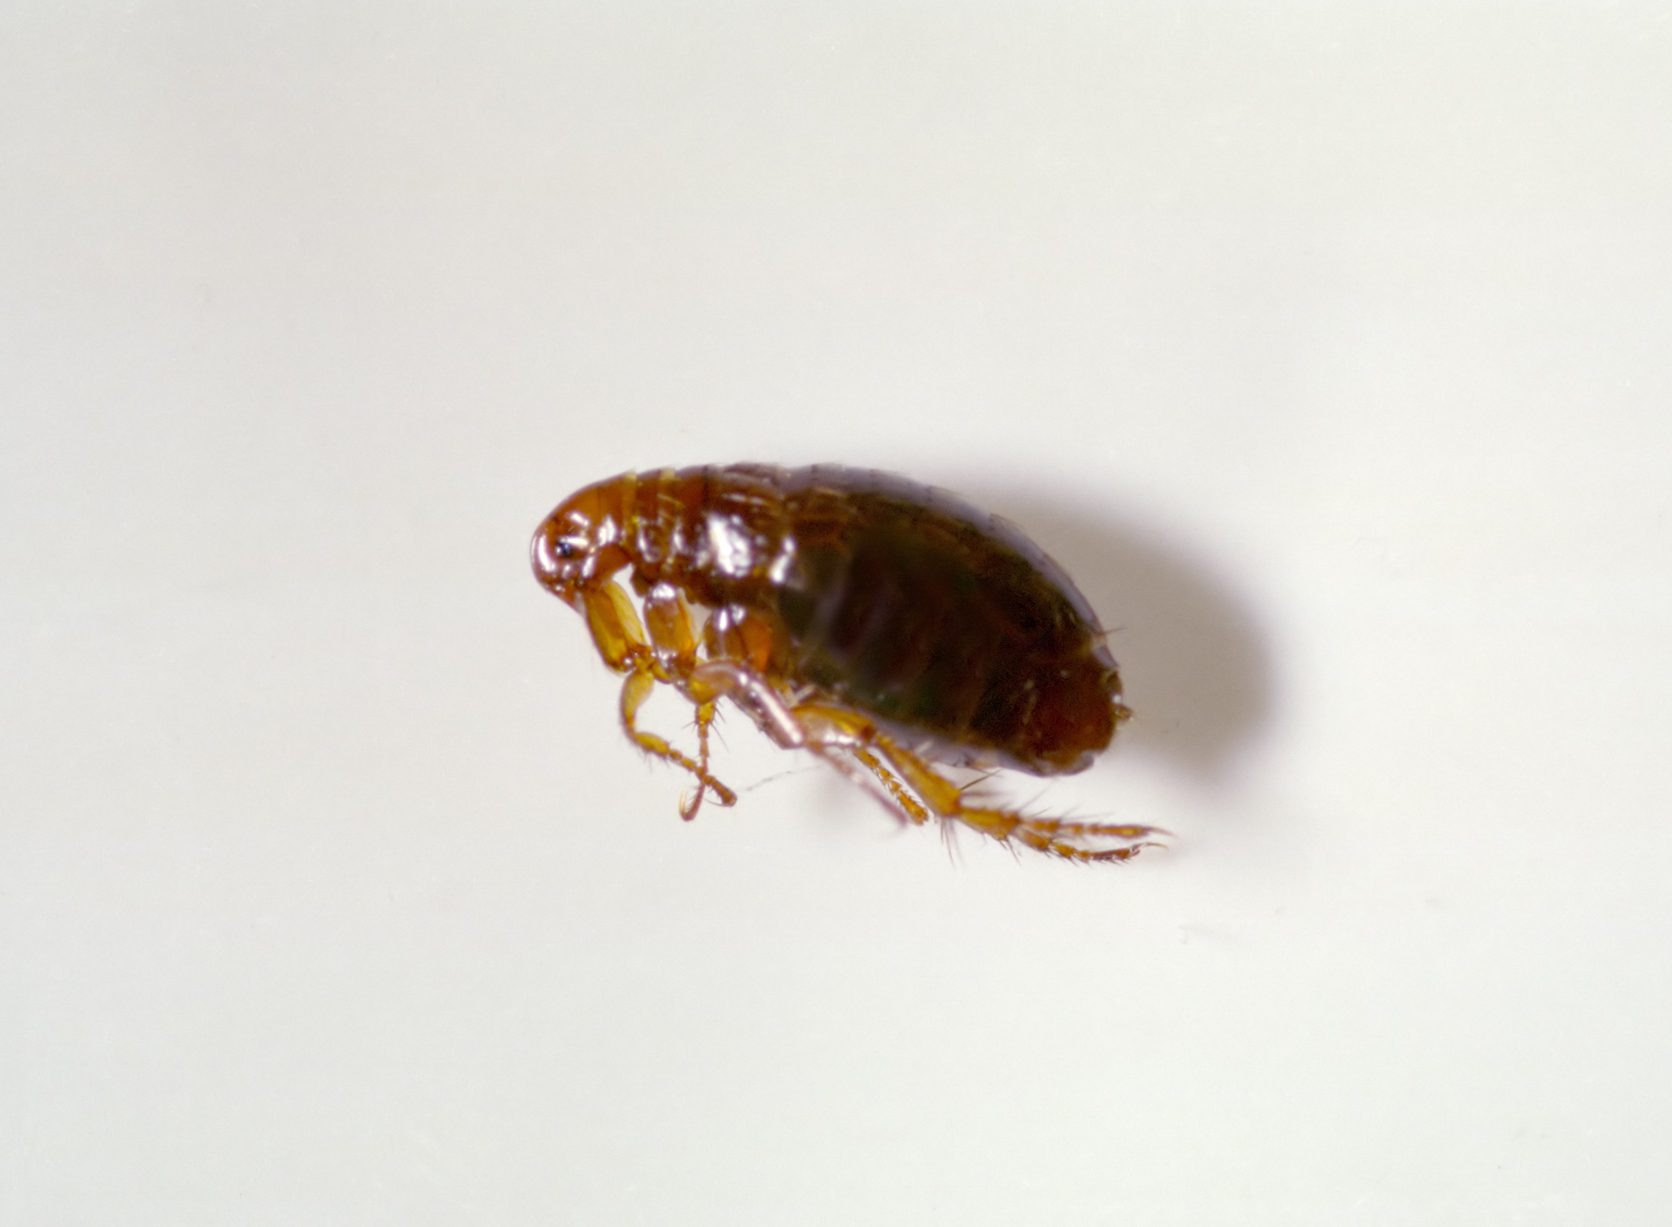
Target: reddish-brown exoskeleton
x: 882, y: 625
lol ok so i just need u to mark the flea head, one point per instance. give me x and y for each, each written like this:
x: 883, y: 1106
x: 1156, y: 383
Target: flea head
x: 579, y: 543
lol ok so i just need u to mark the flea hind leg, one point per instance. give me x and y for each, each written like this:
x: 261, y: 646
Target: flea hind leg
x: 1059, y: 837
x: 843, y: 738
x: 1072, y: 841
x: 891, y: 783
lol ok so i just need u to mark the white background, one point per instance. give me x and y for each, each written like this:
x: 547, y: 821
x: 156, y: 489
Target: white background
x: 1327, y: 346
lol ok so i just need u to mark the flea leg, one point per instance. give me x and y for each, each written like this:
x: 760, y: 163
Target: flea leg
x: 758, y: 699
x: 893, y: 774
x: 615, y: 626
x: 1058, y: 837
x: 1054, y: 836
x: 634, y: 691
x: 688, y: 808
x: 891, y: 783
x: 626, y: 648
x: 673, y: 638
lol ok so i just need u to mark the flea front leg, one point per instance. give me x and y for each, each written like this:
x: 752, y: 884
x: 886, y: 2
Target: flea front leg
x: 673, y: 638
x: 634, y: 691
x: 625, y: 647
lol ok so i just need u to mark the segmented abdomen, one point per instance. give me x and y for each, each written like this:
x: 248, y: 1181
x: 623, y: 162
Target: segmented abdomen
x: 895, y: 599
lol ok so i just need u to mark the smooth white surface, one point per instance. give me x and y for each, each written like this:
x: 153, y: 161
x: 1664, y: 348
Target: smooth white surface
x: 1326, y: 346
